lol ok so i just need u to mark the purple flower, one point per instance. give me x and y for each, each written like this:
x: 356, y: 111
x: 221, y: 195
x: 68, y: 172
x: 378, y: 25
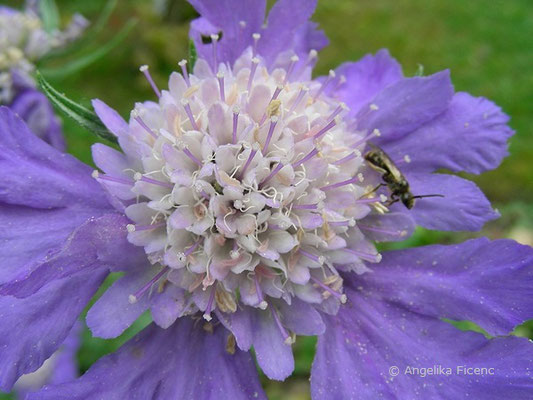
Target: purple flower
x: 60, y: 368
x: 241, y: 212
x: 23, y: 42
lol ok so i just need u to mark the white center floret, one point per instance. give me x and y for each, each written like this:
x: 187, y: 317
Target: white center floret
x: 248, y: 188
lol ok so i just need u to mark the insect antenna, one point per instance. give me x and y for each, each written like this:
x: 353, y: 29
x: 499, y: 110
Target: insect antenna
x: 427, y: 195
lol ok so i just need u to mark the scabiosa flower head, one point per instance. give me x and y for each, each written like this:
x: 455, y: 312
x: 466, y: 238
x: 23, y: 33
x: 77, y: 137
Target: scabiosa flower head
x: 23, y: 41
x: 243, y: 211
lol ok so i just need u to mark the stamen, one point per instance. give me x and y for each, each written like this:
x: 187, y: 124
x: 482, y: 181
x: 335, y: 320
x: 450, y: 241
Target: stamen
x: 283, y: 331
x: 351, y: 156
x: 200, y: 190
x: 381, y: 199
x: 272, y: 174
x: 374, y: 133
x: 214, y: 40
x: 303, y: 91
x: 315, y: 206
x: 330, y: 125
x: 375, y: 258
x: 97, y: 175
x: 182, y: 256
x: 184, y: 72
x: 139, y: 177
x: 188, y: 111
x: 349, y: 222
x: 312, y: 56
x: 183, y: 147
x: 144, y: 70
x: 236, y: 111
x: 256, y: 37
x: 278, y: 90
x: 133, y: 298
x: 294, y: 60
x: 338, y: 110
x: 318, y: 259
x: 343, y: 183
x: 137, y: 117
x: 220, y: 77
x: 341, y: 296
x: 255, y: 63
x: 137, y: 228
x: 325, y: 84
x: 255, y: 149
x: 273, y: 122
x: 260, y: 300
x: 379, y: 230
x: 342, y: 81
x: 209, y: 308
x: 309, y: 155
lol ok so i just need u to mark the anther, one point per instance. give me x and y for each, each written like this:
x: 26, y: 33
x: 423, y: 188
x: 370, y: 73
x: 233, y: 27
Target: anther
x: 146, y: 72
x: 188, y: 111
x: 184, y: 72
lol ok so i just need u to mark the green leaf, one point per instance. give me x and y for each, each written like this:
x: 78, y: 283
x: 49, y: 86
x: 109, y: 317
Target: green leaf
x: 49, y: 15
x: 88, y: 59
x: 88, y: 36
x: 193, y: 55
x: 82, y: 115
x: 419, y: 70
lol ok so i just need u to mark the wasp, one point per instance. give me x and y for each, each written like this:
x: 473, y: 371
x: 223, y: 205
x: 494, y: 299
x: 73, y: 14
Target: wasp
x: 392, y: 177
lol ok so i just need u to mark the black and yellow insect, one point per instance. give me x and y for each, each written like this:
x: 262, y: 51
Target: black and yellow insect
x: 392, y: 177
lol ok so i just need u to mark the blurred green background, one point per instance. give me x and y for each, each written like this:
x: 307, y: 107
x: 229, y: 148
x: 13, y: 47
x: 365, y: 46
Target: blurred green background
x: 487, y: 45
